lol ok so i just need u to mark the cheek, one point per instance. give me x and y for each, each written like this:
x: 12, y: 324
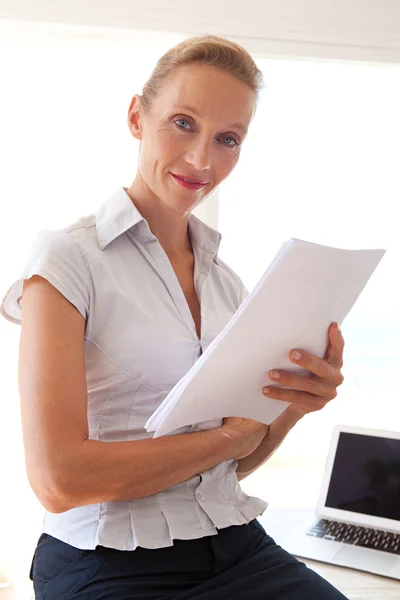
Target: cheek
x: 225, y: 162
x: 168, y: 148
x: 157, y: 153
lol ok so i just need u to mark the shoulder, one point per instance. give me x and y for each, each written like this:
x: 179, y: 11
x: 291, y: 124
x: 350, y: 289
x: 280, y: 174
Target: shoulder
x: 82, y: 232
x: 68, y: 239
x: 60, y: 256
x: 74, y: 243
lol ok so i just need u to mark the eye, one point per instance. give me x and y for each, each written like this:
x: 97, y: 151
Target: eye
x: 181, y: 123
x: 227, y: 141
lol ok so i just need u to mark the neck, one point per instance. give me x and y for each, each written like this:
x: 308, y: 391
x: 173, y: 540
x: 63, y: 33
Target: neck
x: 169, y: 226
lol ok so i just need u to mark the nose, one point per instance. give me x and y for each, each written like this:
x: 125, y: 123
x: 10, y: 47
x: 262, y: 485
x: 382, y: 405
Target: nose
x: 199, y: 154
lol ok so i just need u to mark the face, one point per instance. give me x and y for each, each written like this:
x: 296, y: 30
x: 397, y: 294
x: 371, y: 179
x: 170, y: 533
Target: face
x: 192, y: 135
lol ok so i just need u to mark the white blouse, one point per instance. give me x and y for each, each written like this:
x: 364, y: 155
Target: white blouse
x: 140, y: 339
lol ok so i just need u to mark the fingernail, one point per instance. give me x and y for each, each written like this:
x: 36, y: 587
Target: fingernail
x: 266, y: 390
x: 274, y: 374
x: 296, y: 355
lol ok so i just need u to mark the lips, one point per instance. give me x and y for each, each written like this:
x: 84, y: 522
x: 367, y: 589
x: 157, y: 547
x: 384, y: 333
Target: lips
x: 189, y: 179
x: 189, y: 182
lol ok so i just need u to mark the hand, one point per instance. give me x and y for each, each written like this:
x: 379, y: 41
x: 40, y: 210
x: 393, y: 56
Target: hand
x: 311, y: 392
x: 245, y: 434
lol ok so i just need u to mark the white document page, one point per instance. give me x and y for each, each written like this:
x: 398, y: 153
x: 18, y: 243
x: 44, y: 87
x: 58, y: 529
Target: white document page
x: 306, y: 288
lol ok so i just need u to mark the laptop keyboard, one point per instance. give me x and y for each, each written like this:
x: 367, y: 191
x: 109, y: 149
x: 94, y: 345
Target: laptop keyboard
x: 376, y: 539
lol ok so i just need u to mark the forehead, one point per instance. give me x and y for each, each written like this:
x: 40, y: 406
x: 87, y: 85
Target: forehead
x: 211, y: 92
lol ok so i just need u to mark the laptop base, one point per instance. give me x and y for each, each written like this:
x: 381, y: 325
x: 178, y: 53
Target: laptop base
x: 289, y: 529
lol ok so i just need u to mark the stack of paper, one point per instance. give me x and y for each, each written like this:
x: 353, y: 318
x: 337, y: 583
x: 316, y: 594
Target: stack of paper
x: 305, y: 289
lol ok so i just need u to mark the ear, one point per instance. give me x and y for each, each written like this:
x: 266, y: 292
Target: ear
x: 134, y: 118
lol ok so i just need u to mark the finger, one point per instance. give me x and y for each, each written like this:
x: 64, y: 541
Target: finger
x: 304, y: 383
x: 308, y: 401
x: 334, y: 354
x: 316, y: 365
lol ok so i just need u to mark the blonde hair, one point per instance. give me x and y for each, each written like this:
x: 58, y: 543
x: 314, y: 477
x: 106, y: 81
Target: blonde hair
x: 209, y: 50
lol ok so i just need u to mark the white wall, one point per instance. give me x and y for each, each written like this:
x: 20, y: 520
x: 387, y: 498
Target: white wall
x: 347, y: 29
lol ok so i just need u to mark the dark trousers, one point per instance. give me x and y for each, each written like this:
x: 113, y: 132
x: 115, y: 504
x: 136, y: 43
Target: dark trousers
x: 240, y: 562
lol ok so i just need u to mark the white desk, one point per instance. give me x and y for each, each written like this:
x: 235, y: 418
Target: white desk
x: 356, y: 585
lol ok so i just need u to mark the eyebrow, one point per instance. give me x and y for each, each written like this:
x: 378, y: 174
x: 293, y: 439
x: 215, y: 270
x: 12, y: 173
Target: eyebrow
x: 188, y: 108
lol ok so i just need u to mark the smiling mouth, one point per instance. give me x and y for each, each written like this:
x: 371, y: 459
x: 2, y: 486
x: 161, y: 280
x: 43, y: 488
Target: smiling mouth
x: 189, y: 182
x: 189, y: 179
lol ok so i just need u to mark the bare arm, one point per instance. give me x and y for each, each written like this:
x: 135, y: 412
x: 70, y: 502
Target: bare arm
x: 276, y: 433
x: 64, y: 467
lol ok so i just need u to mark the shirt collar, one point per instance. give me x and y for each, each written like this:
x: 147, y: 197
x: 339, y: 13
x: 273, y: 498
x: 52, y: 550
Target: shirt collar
x: 118, y: 214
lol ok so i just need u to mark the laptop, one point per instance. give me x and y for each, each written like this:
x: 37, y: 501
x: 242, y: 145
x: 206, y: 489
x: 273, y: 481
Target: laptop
x: 357, y: 520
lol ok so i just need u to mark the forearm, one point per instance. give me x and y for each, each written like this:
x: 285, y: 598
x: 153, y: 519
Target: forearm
x: 277, y: 431
x: 120, y: 471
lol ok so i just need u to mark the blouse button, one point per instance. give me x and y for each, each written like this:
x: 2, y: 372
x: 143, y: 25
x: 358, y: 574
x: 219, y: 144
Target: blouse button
x: 200, y: 497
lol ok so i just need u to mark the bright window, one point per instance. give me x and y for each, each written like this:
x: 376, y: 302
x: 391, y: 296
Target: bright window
x: 321, y: 163
x: 64, y: 148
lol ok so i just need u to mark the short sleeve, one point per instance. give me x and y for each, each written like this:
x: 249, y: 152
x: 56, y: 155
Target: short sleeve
x: 55, y: 256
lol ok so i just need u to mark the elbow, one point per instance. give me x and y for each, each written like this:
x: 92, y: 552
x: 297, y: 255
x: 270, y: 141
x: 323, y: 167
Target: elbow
x: 52, y: 494
x: 55, y: 507
x: 55, y: 500
x: 58, y: 483
x: 56, y: 504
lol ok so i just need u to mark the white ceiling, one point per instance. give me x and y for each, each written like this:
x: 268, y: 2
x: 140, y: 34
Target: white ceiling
x: 349, y: 29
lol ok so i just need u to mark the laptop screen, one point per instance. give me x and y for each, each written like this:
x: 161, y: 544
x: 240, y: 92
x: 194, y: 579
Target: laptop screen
x: 366, y: 476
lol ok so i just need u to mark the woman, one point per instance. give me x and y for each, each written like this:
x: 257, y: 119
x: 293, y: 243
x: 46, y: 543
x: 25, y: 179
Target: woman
x: 116, y: 308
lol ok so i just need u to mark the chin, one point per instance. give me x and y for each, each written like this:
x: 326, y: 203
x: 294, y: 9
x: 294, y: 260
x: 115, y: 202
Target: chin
x: 185, y: 199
